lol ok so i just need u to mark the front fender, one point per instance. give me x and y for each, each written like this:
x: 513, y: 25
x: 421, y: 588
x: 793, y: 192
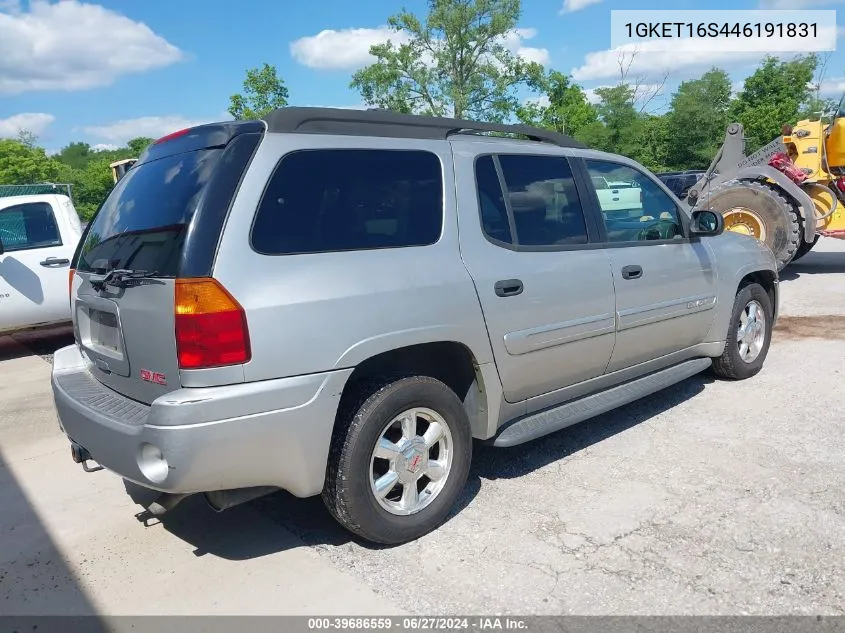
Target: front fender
x: 737, y: 256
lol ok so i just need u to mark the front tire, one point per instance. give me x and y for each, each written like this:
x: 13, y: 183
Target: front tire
x: 399, y: 459
x: 749, y: 335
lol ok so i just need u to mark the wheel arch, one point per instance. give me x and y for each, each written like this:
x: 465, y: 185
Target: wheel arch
x: 769, y: 281
x: 449, y: 361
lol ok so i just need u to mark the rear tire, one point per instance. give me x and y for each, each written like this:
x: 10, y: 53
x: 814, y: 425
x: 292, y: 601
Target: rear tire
x: 780, y: 219
x: 377, y: 442
x: 749, y: 336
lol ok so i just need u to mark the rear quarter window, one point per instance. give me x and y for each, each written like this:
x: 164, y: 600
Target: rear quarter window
x: 350, y: 199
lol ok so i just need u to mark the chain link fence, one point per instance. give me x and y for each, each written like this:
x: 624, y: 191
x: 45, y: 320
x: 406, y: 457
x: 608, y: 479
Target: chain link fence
x: 35, y: 190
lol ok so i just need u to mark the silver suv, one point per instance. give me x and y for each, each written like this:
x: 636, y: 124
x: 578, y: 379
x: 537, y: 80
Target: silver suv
x: 342, y: 302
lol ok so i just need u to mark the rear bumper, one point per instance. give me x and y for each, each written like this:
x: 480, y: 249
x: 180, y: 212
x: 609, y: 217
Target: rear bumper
x: 270, y: 433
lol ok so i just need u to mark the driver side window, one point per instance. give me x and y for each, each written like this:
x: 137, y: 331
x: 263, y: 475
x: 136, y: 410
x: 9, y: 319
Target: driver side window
x: 634, y: 208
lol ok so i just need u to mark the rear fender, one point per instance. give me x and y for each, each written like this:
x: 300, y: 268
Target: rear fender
x: 805, y: 203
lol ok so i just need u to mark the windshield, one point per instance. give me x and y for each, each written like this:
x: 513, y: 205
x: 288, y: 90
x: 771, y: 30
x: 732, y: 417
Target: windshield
x: 143, y: 223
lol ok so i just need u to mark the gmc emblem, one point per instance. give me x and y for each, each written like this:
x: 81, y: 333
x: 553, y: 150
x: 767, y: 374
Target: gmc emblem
x: 153, y: 376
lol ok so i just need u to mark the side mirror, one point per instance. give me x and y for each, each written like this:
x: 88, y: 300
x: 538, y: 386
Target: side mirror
x: 705, y: 222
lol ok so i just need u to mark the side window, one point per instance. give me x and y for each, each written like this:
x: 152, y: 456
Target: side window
x: 634, y: 207
x: 491, y: 201
x: 543, y: 200
x: 343, y: 200
x: 28, y: 226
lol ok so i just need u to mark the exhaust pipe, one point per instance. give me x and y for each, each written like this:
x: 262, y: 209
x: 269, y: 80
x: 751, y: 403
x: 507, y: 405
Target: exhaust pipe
x: 165, y: 502
x: 220, y: 500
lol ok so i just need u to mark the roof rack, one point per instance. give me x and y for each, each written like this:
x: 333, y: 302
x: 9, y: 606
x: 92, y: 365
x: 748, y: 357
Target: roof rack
x: 386, y: 123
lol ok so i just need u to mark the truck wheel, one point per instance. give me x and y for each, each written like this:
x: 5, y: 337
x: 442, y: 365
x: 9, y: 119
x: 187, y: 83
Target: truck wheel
x: 805, y: 248
x: 749, y: 335
x: 399, y: 460
x: 755, y: 209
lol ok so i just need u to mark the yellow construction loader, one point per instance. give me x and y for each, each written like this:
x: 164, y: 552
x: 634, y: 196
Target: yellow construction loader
x: 787, y: 194
x: 120, y: 167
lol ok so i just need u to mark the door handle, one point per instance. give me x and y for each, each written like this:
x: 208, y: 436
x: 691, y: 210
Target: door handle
x: 54, y: 261
x: 508, y: 287
x: 632, y: 272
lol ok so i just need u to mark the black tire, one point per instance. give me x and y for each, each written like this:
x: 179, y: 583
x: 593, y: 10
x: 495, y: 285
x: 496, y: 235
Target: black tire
x: 780, y: 217
x: 805, y: 248
x: 347, y: 492
x: 730, y: 365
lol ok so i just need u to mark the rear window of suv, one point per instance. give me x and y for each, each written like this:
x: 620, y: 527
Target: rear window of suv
x: 143, y: 223
x: 350, y: 199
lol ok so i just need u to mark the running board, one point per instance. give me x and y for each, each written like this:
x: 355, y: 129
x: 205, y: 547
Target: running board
x: 551, y: 420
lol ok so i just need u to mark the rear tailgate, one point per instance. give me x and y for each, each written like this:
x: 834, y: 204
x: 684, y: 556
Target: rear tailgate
x: 161, y: 223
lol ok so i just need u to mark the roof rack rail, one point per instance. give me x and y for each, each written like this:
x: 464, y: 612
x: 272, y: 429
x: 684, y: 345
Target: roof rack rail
x: 386, y: 123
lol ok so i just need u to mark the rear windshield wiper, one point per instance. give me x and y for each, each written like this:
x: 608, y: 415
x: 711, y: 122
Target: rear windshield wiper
x: 119, y: 277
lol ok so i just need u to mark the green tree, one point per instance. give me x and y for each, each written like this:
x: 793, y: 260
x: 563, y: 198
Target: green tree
x: 566, y: 109
x: 75, y: 155
x: 697, y: 119
x: 23, y: 165
x: 137, y: 146
x: 453, y: 63
x: 27, y: 138
x: 90, y: 185
x: 264, y: 91
x: 772, y: 97
x: 653, y: 143
x: 616, y: 109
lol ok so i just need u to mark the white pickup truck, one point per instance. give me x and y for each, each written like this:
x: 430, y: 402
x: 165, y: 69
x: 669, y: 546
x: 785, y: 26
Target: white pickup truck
x: 618, y: 196
x: 38, y: 236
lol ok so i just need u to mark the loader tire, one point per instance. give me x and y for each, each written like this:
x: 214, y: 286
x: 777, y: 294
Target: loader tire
x: 779, y: 217
x: 805, y: 248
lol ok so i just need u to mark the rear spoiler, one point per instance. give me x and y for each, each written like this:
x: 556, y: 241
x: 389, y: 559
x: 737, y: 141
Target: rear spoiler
x: 199, y: 137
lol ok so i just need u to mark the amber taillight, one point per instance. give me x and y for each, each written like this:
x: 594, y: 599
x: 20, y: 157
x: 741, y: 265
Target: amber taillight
x: 211, y: 326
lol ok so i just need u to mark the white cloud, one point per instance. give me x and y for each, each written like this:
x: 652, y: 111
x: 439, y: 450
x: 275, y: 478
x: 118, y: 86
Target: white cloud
x: 347, y: 49
x: 571, y: 6
x: 605, y: 64
x: 542, y: 101
x: 104, y: 147
x: 643, y: 91
x: 797, y: 4
x: 833, y: 87
x: 539, y: 55
x: 35, y: 122
x: 514, y: 41
x: 120, y: 132
x: 71, y: 45
x: 591, y: 95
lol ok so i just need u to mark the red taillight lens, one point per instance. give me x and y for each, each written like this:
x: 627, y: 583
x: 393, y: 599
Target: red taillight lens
x: 70, y: 282
x: 211, y: 327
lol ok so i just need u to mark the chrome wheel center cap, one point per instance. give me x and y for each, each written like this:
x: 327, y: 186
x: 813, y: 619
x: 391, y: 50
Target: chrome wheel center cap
x: 412, y: 460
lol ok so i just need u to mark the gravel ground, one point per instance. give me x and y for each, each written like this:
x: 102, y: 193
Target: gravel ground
x: 710, y: 497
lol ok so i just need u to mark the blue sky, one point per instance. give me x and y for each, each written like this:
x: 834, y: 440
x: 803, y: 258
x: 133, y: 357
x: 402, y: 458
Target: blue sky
x: 106, y: 71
